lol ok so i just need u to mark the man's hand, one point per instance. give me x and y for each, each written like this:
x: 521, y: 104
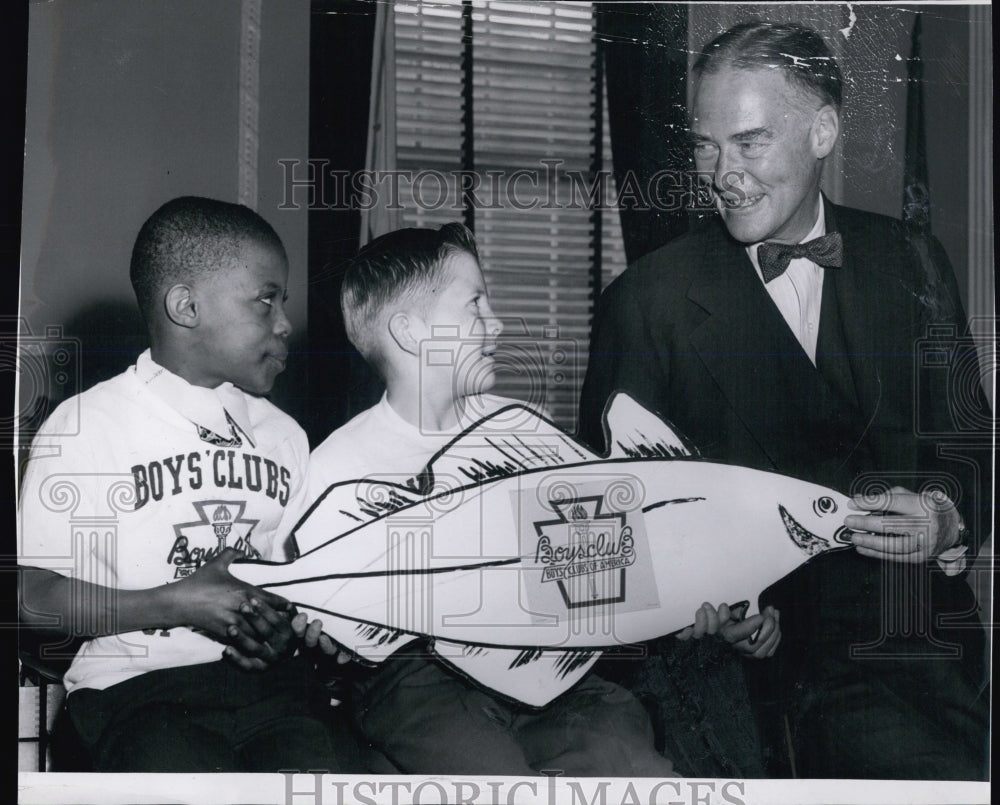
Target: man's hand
x: 756, y: 637
x: 219, y: 604
x: 904, y: 526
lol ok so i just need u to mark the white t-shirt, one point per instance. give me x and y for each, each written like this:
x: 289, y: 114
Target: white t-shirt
x: 379, y: 442
x: 138, y: 481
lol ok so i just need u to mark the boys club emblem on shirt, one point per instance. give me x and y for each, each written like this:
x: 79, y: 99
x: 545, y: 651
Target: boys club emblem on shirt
x: 220, y: 525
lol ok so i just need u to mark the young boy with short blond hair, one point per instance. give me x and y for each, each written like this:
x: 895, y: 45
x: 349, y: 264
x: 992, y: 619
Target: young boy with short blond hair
x: 416, y: 306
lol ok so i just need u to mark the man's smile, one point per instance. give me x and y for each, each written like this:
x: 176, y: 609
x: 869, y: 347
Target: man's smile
x: 741, y: 202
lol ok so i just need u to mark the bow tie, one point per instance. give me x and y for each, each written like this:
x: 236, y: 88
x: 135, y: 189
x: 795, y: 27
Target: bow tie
x: 827, y: 251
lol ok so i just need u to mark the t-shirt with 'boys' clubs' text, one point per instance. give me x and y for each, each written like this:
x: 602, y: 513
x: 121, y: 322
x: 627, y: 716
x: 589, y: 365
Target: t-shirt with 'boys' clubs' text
x: 143, y: 478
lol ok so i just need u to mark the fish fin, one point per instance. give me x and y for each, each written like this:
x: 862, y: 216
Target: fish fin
x: 346, y: 506
x: 531, y: 676
x: 632, y: 431
x: 510, y: 441
x: 367, y: 640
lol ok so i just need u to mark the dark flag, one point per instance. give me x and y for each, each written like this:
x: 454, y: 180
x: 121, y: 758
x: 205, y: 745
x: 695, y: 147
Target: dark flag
x: 916, y: 191
x: 916, y: 188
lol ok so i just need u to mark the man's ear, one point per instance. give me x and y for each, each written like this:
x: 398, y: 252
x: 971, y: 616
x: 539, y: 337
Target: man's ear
x: 825, y: 129
x: 404, y: 329
x: 180, y: 307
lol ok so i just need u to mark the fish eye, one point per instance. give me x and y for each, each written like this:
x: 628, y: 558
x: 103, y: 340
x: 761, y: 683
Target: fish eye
x: 824, y: 505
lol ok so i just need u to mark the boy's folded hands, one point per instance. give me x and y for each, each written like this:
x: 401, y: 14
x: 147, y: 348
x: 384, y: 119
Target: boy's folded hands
x: 255, y: 623
x: 259, y: 627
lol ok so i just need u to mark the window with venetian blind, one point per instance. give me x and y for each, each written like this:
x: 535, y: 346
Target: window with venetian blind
x: 500, y: 123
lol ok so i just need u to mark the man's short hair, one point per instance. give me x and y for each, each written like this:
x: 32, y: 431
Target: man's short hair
x: 800, y: 51
x: 400, y: 265
x: 191, y: 237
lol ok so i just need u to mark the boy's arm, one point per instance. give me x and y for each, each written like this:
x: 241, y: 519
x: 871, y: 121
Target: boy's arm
x: 210, y: 600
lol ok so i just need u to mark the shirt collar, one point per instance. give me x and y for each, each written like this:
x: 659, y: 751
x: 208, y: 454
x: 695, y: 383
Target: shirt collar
x: 817, y: 231
x: 397, y: 422
x: 402, y: 426
x: 202, y: 406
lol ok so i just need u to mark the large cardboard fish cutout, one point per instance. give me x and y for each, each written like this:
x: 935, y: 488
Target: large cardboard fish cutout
x: 521, y: 554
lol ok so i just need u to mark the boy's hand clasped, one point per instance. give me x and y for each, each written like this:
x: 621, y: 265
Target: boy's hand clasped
x: 267, y: 628
x: 256, y: 624
x: 274, y: 635
x: 756, y: 637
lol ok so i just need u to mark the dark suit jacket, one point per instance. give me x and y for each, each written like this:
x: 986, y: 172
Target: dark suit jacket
x: 691, y: 333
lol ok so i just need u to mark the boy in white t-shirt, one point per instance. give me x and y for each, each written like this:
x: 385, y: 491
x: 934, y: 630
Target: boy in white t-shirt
x: 416, y: 307
x: 141, y: 491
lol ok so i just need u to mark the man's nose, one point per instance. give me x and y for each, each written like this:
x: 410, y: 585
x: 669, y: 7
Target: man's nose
x: 728, y: 175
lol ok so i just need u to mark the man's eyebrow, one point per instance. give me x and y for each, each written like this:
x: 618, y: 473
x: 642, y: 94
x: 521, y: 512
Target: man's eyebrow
x: 269, y: 285
x: 751, y: 134
x: 696, y: 137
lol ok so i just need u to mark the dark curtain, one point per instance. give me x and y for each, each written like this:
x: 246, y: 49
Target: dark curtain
x: 645, y: 46
x: 341, y: 34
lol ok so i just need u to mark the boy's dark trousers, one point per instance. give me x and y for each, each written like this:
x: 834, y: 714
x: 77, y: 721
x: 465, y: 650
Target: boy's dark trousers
x: 427, y: 720
x: 214, y: 717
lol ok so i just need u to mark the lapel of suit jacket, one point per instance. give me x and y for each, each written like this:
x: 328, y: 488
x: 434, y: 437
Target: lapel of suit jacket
x: 874, y: 298
x: 751, y: 353
x: 833, y: 359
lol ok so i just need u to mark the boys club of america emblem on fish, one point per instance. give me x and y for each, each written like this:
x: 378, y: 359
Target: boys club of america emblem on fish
x: 585, y: 552
x: 520, y: 554
x: 589, y: 552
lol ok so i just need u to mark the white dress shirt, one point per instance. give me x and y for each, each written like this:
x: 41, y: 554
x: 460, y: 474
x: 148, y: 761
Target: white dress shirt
x: 798, y: 293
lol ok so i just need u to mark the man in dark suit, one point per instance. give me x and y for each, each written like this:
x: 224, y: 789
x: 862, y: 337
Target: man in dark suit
x: 790, y: 334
